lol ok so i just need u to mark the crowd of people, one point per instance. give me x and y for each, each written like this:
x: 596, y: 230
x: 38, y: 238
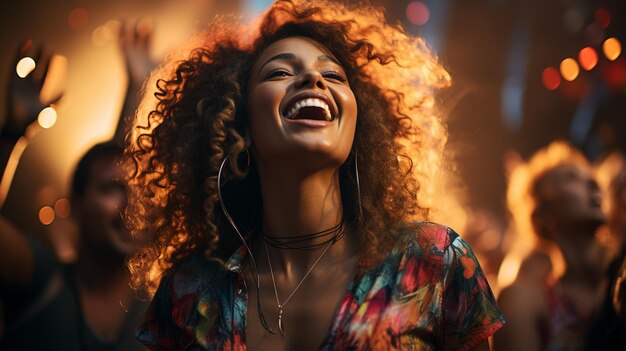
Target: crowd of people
x: 270, y: 193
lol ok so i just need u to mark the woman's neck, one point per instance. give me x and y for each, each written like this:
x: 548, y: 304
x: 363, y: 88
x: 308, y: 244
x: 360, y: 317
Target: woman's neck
x: 299, y: 205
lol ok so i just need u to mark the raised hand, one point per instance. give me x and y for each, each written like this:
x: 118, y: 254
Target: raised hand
x: 23, y: 94
x: 135, y: 43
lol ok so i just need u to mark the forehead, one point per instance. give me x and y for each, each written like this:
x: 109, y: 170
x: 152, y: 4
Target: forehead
x: 299, y: 46
x: 558, y: 176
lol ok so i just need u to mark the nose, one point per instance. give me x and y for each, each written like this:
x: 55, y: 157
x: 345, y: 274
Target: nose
x: 310, y: 79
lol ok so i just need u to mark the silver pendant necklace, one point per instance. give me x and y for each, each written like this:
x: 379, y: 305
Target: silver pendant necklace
x: 281, y: 325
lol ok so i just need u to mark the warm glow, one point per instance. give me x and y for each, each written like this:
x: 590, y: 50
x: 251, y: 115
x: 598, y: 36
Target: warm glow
x: 102, y: 36
x: 612, y: 48
x: 417, y: 13
x: 145, y: 26
x: 47, y: 117
x: 603, y: 17
x: 78, y: 18
x: 25, y: 66
x: 588, y: 58
x: 54, y: 85
x: 62, y: 208
x: 46, y: 215
x: 569, y: 69
x: 551, y: 78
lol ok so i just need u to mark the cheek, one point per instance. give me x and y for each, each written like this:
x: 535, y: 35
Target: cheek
x: 263, y: 109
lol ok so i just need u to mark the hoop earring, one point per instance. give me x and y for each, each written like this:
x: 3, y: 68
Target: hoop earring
x: 243, y: 240
x: 234, y: 165
x: 358, y: 184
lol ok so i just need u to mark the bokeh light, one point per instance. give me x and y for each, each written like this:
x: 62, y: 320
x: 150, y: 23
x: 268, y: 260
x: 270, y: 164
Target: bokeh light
x: 46, y: 215
x: 569, y: 69
x: 551, y: 78
x: 25, y: 66
x: 62, y: 208
x: 603, y: 17
x: 47, y: 117
x: 102, y: 36
x: 417, y: 13
x: 145, y: 26
x: 78, y: 18
x: 612, y: 48
x: 588, y: 58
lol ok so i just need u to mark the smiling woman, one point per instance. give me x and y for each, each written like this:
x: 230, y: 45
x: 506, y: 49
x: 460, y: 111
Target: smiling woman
x: 291, y: 169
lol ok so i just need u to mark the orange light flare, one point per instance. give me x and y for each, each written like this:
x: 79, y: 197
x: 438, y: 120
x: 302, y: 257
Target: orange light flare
x: 603, y: 17
x: 569, y: 69
x: 417, y: 13
x: 588, y: 58
x: 550, y: 78
x: 62, y: 208
x: 46, y: 215
x: 612, y: 48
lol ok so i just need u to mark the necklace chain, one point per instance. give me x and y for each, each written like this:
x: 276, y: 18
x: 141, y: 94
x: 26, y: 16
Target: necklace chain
x: 299, y: 242
x: 281, y: 326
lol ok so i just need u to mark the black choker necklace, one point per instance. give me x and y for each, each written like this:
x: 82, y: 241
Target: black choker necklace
x: 299, y: 242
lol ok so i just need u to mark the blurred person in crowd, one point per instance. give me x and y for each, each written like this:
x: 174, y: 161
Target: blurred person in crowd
x: 609, y: 327
x: 87, y: 305
x: 556, y: 207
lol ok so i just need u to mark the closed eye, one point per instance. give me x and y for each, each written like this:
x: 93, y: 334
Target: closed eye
x: 334, y: 75
x: 278, y: 73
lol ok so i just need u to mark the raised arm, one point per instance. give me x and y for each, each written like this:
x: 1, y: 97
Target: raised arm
x: 135, y: 43
x: 20, y: 124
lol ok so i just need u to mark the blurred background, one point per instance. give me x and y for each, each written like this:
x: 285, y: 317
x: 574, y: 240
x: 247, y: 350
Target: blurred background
x: 524, y: 73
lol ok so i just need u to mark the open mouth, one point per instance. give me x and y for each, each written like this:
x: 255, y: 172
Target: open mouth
x: 311, y: 108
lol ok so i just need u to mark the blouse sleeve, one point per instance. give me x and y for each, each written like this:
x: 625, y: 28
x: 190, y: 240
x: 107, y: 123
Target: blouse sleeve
x: 166, y: 323
x: 469, y: 310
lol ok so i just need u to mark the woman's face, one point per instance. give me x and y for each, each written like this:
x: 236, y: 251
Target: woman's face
x: 300, y: 105
x: 571, y: 195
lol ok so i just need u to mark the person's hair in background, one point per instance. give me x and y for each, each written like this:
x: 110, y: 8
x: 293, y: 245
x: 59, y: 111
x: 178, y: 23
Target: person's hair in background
x: 199, y: 118
x: 523, y: 201
x: 553, y: 270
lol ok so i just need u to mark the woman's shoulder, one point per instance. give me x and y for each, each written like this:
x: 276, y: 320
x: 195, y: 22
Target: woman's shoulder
x: 428, y: 236
x: 173, y: 307
x: 189, y: 275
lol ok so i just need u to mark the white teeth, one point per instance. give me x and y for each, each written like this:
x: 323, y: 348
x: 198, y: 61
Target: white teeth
x: 309, y: 102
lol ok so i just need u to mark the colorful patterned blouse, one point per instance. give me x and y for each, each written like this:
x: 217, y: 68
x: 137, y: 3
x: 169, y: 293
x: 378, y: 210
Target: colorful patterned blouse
x: 429, y: 293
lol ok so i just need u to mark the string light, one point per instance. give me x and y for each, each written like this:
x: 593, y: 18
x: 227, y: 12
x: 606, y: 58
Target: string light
x: 612, y: 48
x: 551, y: 78
x: 569, y: 69
x: 588, y: 58
x: 25, y: 66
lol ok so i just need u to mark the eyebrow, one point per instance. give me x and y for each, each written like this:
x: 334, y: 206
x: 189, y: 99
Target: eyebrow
x: 290, y: 56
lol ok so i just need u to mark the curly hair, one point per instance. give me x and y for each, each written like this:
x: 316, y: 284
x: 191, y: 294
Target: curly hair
x: 199, y: 117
